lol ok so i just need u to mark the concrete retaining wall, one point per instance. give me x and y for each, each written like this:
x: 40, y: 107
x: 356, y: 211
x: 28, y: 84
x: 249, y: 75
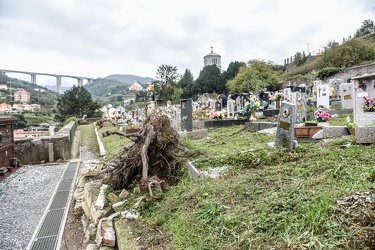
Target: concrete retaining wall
x: 33, y: 150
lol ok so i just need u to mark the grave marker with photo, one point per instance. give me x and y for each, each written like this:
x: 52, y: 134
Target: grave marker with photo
x: 347, y: 95
x: 285, y: 127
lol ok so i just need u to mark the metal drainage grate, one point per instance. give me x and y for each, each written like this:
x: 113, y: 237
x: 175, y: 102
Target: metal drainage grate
x: 48, y: 233
x: 51, y: 223
x: 65, y: 184
x: 60, y: 199
x: 47, y: 243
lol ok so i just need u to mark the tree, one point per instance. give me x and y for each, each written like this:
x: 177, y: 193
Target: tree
x: 367, y: 27
x: 76, y: 102
x: 209, y: 81
x: 351, y: 53
x: 166, y: 81
x: 186, y: 83
x: 233, y: 69
x: 257, y: 76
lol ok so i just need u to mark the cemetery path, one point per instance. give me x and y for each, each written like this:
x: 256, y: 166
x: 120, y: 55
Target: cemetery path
x: 73, y: 237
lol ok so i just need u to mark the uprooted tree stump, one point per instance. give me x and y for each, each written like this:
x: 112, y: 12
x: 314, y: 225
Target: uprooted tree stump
x: 152, y: 157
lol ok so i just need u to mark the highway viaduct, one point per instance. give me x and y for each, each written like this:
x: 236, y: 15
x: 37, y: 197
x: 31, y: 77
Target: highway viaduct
x: 57, y: 76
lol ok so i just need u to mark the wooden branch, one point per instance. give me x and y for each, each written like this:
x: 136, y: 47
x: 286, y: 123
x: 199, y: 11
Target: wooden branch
x: 150, y: 136
x: 138, y: 201
x: 153, y: 182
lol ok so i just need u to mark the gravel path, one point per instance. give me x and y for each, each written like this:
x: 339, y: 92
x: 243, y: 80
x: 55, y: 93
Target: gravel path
x: 24, y: 197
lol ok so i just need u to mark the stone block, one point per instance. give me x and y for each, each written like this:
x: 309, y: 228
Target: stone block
x: 124, y: 238
x: 118, y: 206
x: 365, y: 135
x: 113, y: 198
x: 124, y: 193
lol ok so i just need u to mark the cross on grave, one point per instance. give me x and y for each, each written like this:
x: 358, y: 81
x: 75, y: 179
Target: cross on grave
x: 319, y: 89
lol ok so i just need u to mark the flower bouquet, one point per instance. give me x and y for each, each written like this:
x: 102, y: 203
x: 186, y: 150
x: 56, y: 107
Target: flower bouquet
x: 362, y: 84
x: 321, y: 115
x: 216, y: 115
x: 369, y: 104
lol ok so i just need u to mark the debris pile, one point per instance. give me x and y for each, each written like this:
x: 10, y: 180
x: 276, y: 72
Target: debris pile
x: 152, y: 158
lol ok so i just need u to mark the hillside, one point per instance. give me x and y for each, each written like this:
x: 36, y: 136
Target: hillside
x: 130, y: 78
x: 38, y: 94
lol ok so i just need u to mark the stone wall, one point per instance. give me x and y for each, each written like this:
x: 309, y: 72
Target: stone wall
x: 345, y: 75
x: 33, y: 150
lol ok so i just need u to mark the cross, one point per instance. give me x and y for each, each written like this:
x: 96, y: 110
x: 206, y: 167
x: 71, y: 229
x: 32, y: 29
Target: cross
x: 319, y: 91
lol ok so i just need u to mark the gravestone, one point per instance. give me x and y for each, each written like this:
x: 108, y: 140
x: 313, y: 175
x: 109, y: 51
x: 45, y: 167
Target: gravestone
x: 347, y: 95
x: 322, y: 95
x: 238, y: 103
x: 230, y: 109
x: 211, y: 104
x: 285, y: 127
x: 299, y: 99
x: 217, y: 106
x: 361, y: 117
x: 174, y: 118
x: 335, y: 85
x: 287, y: 93
x: 186, y: 115
x: 223, y: 100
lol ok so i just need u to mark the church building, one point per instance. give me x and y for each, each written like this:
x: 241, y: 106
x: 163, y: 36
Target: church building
x: 212, y: 59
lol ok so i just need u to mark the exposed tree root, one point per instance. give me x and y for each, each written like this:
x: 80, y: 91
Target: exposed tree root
x: 153, y: 152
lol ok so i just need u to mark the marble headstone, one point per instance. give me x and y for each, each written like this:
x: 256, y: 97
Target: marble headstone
x: 299, y: 99
x: 347, y: 95
x: 322, y: 95
x: 335, y: 85
x: 230, y: 109
x: 217, y: 106
x: 285, y: 126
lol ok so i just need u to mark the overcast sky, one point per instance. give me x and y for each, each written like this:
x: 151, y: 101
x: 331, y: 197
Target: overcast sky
x: 97, y: 38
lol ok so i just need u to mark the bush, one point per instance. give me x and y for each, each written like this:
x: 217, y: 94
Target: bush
x: 326, y: 72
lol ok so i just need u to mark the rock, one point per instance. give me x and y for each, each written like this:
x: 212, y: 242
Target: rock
x: 78, y: 209
x: 118, y: 206
x: 124, y: 238
x: 113, y: 198
x: 124, y: 193
x: 91, y: 247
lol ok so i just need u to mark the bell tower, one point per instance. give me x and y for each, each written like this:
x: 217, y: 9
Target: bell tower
x: 212, y: 59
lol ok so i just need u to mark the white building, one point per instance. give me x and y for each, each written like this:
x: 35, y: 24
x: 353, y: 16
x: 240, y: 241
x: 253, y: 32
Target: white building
x: 212, y: 59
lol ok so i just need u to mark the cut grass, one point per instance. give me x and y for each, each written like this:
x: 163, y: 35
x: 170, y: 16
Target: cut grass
x: 88, y: 138
x: 266, y: 199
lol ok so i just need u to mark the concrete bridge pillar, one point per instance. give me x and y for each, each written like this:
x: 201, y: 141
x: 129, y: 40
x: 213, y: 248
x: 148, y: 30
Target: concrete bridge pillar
x: 33, y: 78
x: 80, y: 82
x: 58, y: 84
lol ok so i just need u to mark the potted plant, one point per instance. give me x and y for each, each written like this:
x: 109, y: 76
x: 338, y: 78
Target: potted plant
x: 350, y: 126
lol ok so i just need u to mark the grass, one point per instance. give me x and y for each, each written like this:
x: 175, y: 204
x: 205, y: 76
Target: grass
x: 114, y: 143
x: 265, y: 199
x: 88, y: 137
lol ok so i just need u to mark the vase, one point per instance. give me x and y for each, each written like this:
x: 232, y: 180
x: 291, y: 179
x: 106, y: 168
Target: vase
x: 351, y: 131
x: 253, y: 116
x: 277, y: 104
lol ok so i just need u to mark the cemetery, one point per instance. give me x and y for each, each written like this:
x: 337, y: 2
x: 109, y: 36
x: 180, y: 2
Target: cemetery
x: 316, y: 110
x: 290, y: 143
